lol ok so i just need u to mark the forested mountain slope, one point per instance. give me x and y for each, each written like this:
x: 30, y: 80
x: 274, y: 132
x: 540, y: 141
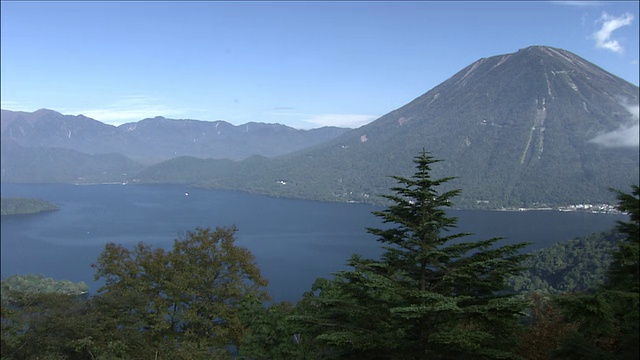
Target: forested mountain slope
x: 537, y: 127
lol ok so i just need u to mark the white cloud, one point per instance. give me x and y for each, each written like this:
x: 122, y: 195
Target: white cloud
x: 129, y: 109
x: 8, y: 104
x: 578, y: 3
x: 17, y: 106
x: 627, y: 135
x: 340, y: 120
x: 120, y: 116
x: 609, y: 25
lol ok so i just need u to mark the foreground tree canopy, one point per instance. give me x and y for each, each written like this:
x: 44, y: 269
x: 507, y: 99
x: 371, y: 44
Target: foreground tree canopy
x: 155, y: 304
x: 432, y: 294
x: 188, y: 297
x: 607, y: 321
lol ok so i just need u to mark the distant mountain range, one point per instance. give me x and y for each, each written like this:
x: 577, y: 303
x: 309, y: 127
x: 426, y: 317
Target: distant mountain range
x: 539, y: 127
x: 158, y: 139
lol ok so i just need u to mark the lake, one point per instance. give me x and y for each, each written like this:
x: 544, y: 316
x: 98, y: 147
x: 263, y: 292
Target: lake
x: 294, y: 241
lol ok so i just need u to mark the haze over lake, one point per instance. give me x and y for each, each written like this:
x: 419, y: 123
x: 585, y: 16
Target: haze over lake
x: 294, y: 241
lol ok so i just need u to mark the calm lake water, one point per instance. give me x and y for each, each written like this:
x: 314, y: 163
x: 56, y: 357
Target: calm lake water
x: 294, y: 241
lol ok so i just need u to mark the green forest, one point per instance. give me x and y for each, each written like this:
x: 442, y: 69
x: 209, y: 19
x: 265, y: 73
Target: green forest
x: 430, y: 295
x: 19, y: 206
x: 38, y: 284
x: 575, y: 265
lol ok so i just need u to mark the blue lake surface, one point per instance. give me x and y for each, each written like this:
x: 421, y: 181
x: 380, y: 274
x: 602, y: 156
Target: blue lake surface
x: 294, y: 241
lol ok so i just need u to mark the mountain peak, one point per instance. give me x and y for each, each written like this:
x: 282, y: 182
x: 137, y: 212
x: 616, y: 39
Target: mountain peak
x: 538, y: 48
x: 46, y: 112
x: 517, y: 128
x: 546, y: 68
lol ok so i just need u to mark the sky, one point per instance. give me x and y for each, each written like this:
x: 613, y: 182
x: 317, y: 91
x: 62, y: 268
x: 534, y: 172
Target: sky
x: 304, y: 64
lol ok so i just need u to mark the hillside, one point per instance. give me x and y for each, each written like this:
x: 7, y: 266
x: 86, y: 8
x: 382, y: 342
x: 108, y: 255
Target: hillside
x: 570, y: 266
x: 540, y: 127
x: 535, y: 128
x: 54, y: 165
x: 157, y: 139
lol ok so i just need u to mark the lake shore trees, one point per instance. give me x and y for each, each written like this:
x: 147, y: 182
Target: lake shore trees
x: 21, y: 206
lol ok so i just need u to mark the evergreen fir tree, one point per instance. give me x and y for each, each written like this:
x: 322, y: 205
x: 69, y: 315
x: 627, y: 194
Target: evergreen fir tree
x: 430, y: 295
x: 608, y: 321
x: 624, y: 272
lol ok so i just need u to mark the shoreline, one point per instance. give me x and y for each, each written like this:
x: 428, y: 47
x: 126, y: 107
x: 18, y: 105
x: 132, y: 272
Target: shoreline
x: 585, y: 208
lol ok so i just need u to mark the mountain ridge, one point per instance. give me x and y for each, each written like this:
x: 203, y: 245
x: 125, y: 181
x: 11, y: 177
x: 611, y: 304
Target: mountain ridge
x: 146, y: 140
x: 517, y: 130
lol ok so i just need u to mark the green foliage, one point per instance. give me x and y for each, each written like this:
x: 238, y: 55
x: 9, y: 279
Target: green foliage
x: 189, y: 297
x: 430, y: 296
x: 58, y: 326
x: 45, y: 325
x: 17, y: 285
x: 17, y: 206
x: 609, y: 320
x: 269, y: 332
x: 350, y: 316
x: 545, y: 329
x: 576, y: 265
x: 186, y: 303
x: 624, y: 273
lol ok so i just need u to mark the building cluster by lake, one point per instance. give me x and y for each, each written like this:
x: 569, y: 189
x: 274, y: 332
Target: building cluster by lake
x: 597, y: 208
x: 590, y: 208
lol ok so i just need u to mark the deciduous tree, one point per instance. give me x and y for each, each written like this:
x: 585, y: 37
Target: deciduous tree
x: 185, y: 301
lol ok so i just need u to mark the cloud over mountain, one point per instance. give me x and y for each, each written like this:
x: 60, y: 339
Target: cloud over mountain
x: 627, y: 135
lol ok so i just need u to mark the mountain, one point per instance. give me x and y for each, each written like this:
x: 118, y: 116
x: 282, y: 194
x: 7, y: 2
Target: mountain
x: 158, y: 139
x: 56, y: 165
x: 150, y: 138
x: 52, y: 129
x: 535, y: 128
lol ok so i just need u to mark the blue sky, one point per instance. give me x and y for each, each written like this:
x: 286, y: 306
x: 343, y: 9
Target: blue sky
x: 302, y: 64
